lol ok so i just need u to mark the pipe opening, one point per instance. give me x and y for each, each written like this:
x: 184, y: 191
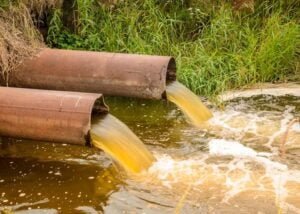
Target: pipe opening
x: 171, y: 70
x: 99, y: 107
x: 171, y: 75
x: 99, y: 110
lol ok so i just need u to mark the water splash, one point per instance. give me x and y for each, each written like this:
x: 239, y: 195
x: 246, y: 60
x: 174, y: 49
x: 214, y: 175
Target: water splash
x: 230, y: 171
x: 239, y: 163
x: 245, y: 124
x: 120, y: 143
x: 188, y: 102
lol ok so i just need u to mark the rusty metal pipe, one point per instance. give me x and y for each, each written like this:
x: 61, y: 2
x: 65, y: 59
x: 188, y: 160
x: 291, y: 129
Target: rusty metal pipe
x: 54, y: 116
x: 98, y: 72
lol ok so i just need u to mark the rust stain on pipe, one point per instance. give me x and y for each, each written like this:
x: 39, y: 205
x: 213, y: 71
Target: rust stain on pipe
x: 54, y: 116
x: 109, y: 73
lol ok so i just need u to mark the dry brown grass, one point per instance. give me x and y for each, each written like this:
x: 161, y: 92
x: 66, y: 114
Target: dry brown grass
x: 38, y: 7
x: 243, y: 5
x: 19, y: 37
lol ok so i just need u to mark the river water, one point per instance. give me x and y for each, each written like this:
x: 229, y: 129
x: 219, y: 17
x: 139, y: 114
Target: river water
x: 230, y: 164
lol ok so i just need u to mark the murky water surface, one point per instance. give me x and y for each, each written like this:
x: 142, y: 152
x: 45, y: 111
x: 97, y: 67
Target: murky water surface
x: 232, y: 164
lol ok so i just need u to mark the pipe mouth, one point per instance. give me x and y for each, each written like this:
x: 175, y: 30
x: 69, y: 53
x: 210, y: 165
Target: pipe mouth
x: 171, y: 75
x: 171, y: 71
x: 100, y: 109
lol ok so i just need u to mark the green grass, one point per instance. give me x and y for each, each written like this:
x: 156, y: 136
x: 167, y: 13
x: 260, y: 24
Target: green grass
x: 216, y: 47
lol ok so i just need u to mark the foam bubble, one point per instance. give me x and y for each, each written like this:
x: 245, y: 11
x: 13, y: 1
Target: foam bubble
x: 221, y: 147
x: 296, y: 127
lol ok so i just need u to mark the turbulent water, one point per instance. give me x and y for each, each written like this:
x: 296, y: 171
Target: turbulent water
x: 241, y: 167
x: 231, y: 164
x: 120, y: 143
x: 188, y: 102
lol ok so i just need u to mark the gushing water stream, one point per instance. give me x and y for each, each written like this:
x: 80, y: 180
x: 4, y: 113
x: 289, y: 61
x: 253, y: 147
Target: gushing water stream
x: 229, y: 170
x: 190, y: 104
x: 120, y: 143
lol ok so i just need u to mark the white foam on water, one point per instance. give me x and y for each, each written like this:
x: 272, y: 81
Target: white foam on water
x: 171, y: 171
x: 231, y: 166
x: 222, y: 119
x: 234, y: 175
x: 235, y: 123
x: 287, y: 117
x: 221, y: 147
x: 276, y: 171
x: 296, y: 127
x: 279, y: 173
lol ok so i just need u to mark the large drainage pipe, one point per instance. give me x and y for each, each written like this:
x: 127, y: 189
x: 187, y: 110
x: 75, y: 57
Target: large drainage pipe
x: 53, y: 116
x: 109, y: 73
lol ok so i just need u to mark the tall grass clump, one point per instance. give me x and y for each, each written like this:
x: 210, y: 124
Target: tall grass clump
x: 232, y: 53
x: 218, y: 46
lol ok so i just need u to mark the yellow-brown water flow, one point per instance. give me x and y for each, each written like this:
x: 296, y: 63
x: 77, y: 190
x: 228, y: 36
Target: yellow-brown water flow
x: 121, y: 144
x: 188, y: 102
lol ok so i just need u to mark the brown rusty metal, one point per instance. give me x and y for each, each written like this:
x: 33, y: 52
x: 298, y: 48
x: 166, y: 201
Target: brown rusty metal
x: 108, y: 73
x: 54, y: 116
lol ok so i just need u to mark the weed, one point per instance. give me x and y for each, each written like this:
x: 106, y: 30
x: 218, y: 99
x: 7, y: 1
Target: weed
x: 217, y: 47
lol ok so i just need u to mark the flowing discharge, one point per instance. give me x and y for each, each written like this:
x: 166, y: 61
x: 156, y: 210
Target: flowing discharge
x: 188, y: 102
x: 120, y: 143
x: 231, y: 165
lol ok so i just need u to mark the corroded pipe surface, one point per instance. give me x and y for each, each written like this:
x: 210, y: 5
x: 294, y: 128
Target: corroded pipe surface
x: 54, y: 116
x: 108, y: 73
